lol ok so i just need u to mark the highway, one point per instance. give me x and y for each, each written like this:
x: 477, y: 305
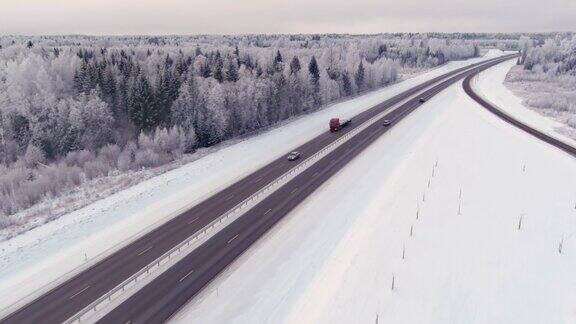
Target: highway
x: 513, y: 121
x: 161, y: 298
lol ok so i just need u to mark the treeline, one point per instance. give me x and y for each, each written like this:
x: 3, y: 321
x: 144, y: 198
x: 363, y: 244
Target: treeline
x: 75, y: 108
x: 553, y: 56
x: 548, y: 77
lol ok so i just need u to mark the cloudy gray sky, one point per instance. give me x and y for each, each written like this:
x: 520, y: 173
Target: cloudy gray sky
x: 273, y: 16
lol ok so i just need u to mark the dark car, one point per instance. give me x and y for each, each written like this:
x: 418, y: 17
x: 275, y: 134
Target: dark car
x: 386, y: 122
x: 293, y: 156
x: 422, y: 99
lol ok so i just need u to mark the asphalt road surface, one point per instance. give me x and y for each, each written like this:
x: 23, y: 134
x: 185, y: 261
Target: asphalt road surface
x: 161, y: 298
x: 511, y: 120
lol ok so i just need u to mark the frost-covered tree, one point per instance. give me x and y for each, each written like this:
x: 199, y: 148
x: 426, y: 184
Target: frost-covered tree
x: 90, y: 105
x: 295, y: 65
x: 141, y: 104
x: 359, y: 76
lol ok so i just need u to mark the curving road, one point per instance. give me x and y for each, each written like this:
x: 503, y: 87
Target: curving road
x: 161, y: 298
x: 513, y: 121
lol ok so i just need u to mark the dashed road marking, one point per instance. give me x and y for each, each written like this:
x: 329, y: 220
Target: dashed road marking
x: 232, y: 239
x: 193, y: 220
x: 145, y: 250
x: 78, y: 293
x: 186, y: 276
x: 269, y: 210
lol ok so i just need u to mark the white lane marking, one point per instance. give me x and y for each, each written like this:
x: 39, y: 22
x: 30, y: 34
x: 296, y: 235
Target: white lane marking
x: 232, y: 239
x: 193, y: 220
x: 258, y: 179
x: 229, y: 197
x: 78, y: 293
x: 293, y: 191
x: 315, y: 174
x: 189, y: 273
x: 269, y: 210
x: 145, y: 250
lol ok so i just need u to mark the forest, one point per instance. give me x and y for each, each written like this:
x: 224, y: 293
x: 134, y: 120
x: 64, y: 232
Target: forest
x: 78, y: 108
x: 546, y: 78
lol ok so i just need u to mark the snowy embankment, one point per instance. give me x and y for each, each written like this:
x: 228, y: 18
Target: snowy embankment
x: 490, y: 84
x: 57, y: 249
x: 464, y: 213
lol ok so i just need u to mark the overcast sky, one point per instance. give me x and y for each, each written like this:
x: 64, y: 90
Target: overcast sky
x: 271, y: 16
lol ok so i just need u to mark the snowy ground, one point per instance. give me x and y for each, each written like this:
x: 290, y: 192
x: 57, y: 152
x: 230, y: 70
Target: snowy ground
x: 57, y: 249
x: 334, y: 258
x: 491, y: 85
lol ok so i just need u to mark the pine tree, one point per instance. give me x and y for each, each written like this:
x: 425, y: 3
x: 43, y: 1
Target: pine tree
x: 315, y: 82
x: 347, y: 84
x: 359, y: 77
x: 205, y: 71
x: 184, y: 110
x: 295, y: 65
x: 278, y: 57
x: 314, y: 71
x: 141, y: 104
x: 231, y: 72
x: 108, y: 88
x: 277, y: 64
x: 217, y: 72
x: 163, y: 96
x: 168, y: 61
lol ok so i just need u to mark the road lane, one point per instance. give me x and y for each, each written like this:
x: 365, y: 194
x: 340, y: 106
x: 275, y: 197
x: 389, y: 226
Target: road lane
x: 513, y: 121
x: 159, y: 300
x: 54, y: 307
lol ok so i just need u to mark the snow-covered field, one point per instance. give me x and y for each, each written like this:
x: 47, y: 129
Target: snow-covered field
x: 490, y: 84
x: 53, y: 251
x: 480, y: 209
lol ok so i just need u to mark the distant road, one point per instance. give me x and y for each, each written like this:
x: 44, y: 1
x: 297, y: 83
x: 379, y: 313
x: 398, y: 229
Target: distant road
x: 161, y: 298
x: 513, y: 121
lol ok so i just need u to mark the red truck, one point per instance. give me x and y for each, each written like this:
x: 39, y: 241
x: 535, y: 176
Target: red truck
x: 336, y: 125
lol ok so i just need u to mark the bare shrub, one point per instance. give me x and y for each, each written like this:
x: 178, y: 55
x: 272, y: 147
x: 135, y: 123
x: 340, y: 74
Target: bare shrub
x: 148, y: 158
x: 94, y: 169
x: 79, y: 158
x: 127, y: 157
x: 110, y: 154
x: 34, y: 155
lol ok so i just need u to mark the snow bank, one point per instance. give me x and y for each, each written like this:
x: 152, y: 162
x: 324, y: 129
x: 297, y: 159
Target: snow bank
x: 460, y: 180
x: 59, y: 248
x: 490, y: 84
